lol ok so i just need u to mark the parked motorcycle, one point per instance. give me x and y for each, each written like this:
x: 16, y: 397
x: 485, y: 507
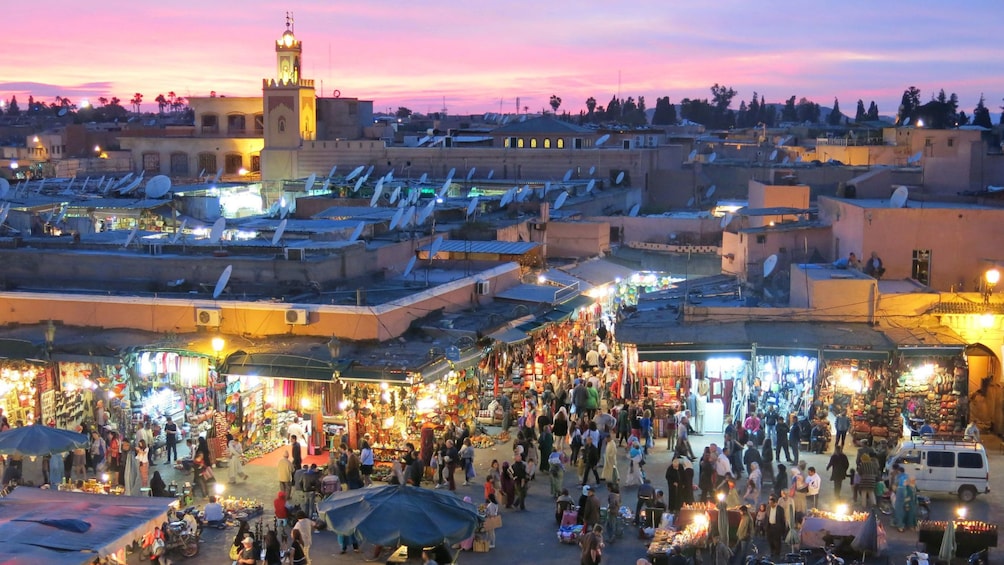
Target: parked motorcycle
x: 885, y: 505
x: 183, y: 533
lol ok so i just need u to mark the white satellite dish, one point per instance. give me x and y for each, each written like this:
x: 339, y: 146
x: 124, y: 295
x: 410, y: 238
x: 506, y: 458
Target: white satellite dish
x: 786, y: 160
x: 62, y: 213
x: 522, y: 193
x: 409, y: 216
x: 560, y: 201
x: 491, y: 174
x: 620, y: 178
x: 712, y: 157
x: 444, y: 189
x: 472, y: 206
x: 568, y: 176
x: 359, y: 183
x: 132, y: 236
x: 369, y: 171
x: 769, y: 264
x: 326, y: 186
x: 396, y: 219
x: 436, y: 245
x: 61, y: 113
x: 221, y: 283
x: 899, y: 197
x: 692, y: 156
x: 219, y: 173
x: 202, y: 173
x: 122, y: 181
x: 357, y: 232
x: 331, y: 173
x: 634, y: 210
x: 217, y: 232
x: 355, y: 173
x: 726, y: 219
x: 773, y: 155
x: 179, y: 231
x: 470, y: 173
x: 130, y: 187
x: 690, y: 202
x: 426, y: 212
x: 4, y: 187
x: 410, y: 267
x: 592, y: 170
x: 277, y: 236
x: 395, y: 194
x: 158, y: 186
x: 389, y: 176
x: 283, y: 208
x: 602, y: 139
x: 710, y: 191
x: 424, y: 178
x: 309, y: 184
x: 590, y: 185
x: 547, y: 187
x: 991, y: 188
x: 915, y: 158
x: 449, y: 175
x: 4, y: 210
x: 376, y: 194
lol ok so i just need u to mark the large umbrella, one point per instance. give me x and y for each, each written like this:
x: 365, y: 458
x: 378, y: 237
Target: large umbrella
x: 948, y: 543
x: 723, y: 522
x: 793, y: 538
x: 867, y: 540
x: 132, y: 481
x: 400, y: 515
x: 37, y: 440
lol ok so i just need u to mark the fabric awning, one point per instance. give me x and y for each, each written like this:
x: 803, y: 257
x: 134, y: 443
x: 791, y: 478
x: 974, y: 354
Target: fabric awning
x: 280, y: 366
x: 532, y: 325
x: 808, y: 338
x: 767, y: 350
x: 573, y: 305
x: 926, y: 341
x: 510, y: 336
x: 692, y: 352
x: 469, y: 357
x: 855, y: 354
x: 21, y: 349
x: 359, y: 374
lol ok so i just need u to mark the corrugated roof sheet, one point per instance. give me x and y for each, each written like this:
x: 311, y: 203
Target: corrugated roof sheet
x: 599, y: 271
x: 499, y: 247
x: 531, y: 293
x: 543, y: 125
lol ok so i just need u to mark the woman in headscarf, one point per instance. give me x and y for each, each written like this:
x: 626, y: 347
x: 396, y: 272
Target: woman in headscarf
x: 508, y: 485
x: 687, y: 482
x: 131, y: 479
x: 635, y: 455
x: 610, y: 474
x: 157, y: 485
x: 674, y: 474
x: 780, y: 480
x: 236, y: 452
x: 908, y: 492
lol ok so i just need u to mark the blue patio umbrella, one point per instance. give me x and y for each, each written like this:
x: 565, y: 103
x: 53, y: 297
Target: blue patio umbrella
x: 37, y: 440
x: 400, y: 515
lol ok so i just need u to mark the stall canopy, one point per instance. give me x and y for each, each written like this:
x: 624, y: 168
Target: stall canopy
x: 20, y: 349
x: 832, y: 340
x: 926, y: 341
x: 690, y: 342
x: 461, y: 359
x: 509, y: 336
x: 56, y: 521
x: 282, y: 366
x: 363, y: 374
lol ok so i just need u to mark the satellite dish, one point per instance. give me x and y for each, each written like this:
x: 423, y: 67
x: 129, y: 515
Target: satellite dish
x: 590, y: 185
x: 217, y: 232
x: 436, y: 245
x: 411, y: 265
x: 357, y: 232
x: 4, y: 187
x: 359, y: 183
x: 560, y: 201
x: 773, y: 155
x: 491, y: 174
x: 158, y: 186
x: 219, y: 173
x: 712, y: 157
x: 634, y: 210
x: 409, y: 216
x: 768, y: 265
x: 568, y: 176
x: 180, y: 230
x: 4, y: 210
x: 355, y: 173
x: 221, y: 283
x: 310, y: 182
x: 369, y: 171
x: 444, y: 189
x: 620, y: 178
x: 522, y: 193
x: 915, y: 158
x: 202, y: 173
x: 899, y: 197
x: 424, y: 178
x: 710, y: 191
x: 547, y: 187
x: 121, y: 182
x: 991, y: 188
x: 62, y: 213
x: 426, y: 212
x: 376, y: 193
x: 506, y: 198
x: 592, y: 170
x: 396, y: 219
x: 602, y: 139
x: 470, y: 173
x: 395, y: 194
x: 472, y: 206
x: 130, y: 187
x: 786, y: 160
x: 331, y: 173
x: 726, y: 219
x: 132, y: 236
x: 61, y: 113
x: 389, y: 176
x: 690, y: 202
x: 449, y: 175
x: 283, y: 208
x: 692, y: 156
x: 277, y: 236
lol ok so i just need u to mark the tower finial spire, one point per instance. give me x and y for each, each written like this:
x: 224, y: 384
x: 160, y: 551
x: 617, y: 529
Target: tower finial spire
x: 289, y: 20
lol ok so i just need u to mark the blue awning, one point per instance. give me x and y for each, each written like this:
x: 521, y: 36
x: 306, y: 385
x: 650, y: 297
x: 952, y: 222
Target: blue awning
x: 359, y: 374
x: 281, y: 366
x: 510, y: 336
x: 855, y: 354
x: 692, y: 352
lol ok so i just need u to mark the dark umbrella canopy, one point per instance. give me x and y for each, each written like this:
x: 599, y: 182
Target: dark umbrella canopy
x: 400, y: 515
x: 868, y: 540
x: 38, y: 440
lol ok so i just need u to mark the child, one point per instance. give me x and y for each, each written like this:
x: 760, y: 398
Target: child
x: 491, y: 509
x: 761, y: 520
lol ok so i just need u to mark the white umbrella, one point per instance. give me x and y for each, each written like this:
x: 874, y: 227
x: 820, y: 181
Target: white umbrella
x: 948, y: 543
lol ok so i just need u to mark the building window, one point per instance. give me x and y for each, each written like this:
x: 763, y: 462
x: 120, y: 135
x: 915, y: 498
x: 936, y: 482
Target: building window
x: 233, y: 164
x: 561, y: 143
x: 255, y: 163
x: 921, y: 270
x: 179, y: 164
x: 951, y: 142
x: 533, y: 143
x: 282, y: 125
x: 207, y: 162
x: 519, y: 143
x: 577, y: 143
x: 151, y: 162
x: 236, y: 124
x: 547, y: 143
x: 210, y: 124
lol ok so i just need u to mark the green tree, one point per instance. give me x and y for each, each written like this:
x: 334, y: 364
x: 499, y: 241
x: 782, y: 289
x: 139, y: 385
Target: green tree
x: 555, y: 103
x: 161, y: 101
x: 789, y: 113
x: 12, y: 108
x: 835, y: 116
x: 873, y: 112
x: 137, y: 101
x: 590, y: 107
x: 403, y: 113
x: 614, y: 109
x: 908, y: 105
x: 981, y: 114
x: 721, y: 97
x: 963, y: 119
x: 860, y: 115
x: 665, y: 112
x: 807, y: 111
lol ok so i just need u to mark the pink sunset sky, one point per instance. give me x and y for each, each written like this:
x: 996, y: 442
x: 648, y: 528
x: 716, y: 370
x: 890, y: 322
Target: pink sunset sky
x: 482, y: 55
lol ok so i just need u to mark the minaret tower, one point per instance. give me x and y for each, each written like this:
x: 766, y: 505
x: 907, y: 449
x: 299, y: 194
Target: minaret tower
x: 289, y: 109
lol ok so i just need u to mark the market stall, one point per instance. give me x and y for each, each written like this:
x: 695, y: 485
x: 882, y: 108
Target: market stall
x: 970, y: 536
x: 840, y: 528
x: 82, y: 382
x: 171, y: 383
x: 21, y: 383
x: 689, y: 538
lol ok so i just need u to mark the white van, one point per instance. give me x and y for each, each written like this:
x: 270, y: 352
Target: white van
x: 948, y: 466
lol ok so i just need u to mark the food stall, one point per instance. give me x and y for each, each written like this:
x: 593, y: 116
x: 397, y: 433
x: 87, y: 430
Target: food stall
x: 690, y: 538
x: 821, y: 528
x: 970, y: 536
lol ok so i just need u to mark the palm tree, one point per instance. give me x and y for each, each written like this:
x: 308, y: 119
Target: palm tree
x: 103, y: 100
x: 555, y: 102
x: 161, y: 102
x: 137, y: 101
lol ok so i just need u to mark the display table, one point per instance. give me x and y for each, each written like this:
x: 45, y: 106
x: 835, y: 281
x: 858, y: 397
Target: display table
x: 686, y: 516
x: 970, y: 536
x: 689, y: 539
x: 822, y: 529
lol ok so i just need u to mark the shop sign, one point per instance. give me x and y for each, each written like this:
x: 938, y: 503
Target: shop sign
x: 453, y: 353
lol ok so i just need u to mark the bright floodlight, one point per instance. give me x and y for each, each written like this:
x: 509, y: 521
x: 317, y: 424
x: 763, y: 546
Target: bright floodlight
x: 993, y: 276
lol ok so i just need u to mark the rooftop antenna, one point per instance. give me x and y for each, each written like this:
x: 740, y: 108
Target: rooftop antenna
x: 355, y: 173
x: 277, y: 236
x: 221, y: 283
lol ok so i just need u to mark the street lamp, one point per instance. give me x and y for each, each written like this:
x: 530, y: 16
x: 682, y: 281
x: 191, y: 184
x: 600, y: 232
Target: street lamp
x: 218, y: 344
x: 991, y: 278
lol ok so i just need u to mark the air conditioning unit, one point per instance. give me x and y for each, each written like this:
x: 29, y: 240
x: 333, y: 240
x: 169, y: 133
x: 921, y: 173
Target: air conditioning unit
x: 294, y: 253
x: 209, y: 317
x: 483, y: 287
x: 297, y: 317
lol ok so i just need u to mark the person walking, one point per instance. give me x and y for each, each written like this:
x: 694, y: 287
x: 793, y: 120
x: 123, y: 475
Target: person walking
x: 171, y: 439
x: 744, y: 535
x: 297, y: 453
x: 843, y: 425
x: 521, y: 480
x: 868, y: 473
x: 591, y: 458
x: 838, y: 466
x: 236, y: 452
x: 610, y: 474
x: 794, y: 436
x: 781, y: 432
x: 813, y: 482
x: 284, y: 472
x: 776, y: 527
x: 909, y: 495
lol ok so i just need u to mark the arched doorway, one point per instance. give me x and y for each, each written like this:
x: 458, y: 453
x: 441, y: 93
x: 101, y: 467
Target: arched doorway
x: 986, y: 391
